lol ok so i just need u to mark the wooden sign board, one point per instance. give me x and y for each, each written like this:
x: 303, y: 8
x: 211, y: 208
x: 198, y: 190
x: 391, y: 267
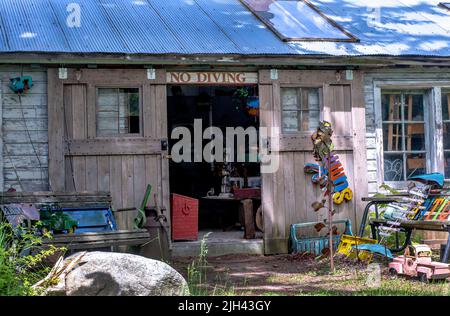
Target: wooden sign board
x: 216, y: 78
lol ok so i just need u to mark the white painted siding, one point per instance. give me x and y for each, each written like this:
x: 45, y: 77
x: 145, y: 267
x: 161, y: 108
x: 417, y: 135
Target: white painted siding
x: 436, y: 76
x: 24, y: 131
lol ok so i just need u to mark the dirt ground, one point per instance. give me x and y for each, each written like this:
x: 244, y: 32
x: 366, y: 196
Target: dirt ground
x: 297, y: 275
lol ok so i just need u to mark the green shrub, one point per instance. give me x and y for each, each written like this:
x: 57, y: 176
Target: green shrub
x: 22, y: 260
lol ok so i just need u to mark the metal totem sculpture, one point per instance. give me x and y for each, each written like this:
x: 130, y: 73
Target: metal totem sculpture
x: 329, y: 174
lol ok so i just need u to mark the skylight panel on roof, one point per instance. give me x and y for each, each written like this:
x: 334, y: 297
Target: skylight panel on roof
x: 445, y: 5
x: 297, y: 20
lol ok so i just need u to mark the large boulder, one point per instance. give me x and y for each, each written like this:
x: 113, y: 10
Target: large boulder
x: 119, y: 274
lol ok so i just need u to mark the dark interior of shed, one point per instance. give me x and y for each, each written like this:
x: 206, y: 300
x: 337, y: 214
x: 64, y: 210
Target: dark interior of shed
x: 218, y: 106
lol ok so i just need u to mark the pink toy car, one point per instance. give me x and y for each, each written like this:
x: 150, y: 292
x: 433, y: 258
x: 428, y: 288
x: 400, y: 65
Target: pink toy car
x: 416, y: 262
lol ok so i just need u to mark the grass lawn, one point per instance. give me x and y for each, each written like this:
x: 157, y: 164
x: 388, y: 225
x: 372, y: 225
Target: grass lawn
x: 239, y: 275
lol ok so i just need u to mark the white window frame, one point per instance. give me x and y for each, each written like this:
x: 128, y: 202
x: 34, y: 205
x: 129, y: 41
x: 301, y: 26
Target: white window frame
x: 433, y: 123
x: 441, y: 122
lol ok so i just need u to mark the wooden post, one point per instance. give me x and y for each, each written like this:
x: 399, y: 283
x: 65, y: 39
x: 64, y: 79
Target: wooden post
x: 330, y: 210
x: 249, y: 219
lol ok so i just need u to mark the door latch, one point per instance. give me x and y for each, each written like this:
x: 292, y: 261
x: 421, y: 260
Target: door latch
x: 164, y: 145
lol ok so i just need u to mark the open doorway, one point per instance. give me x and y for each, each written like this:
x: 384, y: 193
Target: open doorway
x: 219, y: 187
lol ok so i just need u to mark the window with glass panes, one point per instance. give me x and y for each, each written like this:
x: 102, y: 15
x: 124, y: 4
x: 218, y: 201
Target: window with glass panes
x: 300, y: 109
x: 403, y: 124
x: 446, y: 130
x: 118, y: 111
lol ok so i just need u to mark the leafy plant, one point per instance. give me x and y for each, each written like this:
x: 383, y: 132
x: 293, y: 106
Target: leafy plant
x: 22, y: 260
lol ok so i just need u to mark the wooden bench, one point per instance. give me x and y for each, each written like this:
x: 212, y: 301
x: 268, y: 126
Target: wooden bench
x: 99, y: 236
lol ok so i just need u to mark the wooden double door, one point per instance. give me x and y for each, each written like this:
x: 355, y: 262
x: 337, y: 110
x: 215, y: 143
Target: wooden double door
x: 82, y: 160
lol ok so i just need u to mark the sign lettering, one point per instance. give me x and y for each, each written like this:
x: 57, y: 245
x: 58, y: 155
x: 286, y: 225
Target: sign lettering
x: 231, y: 78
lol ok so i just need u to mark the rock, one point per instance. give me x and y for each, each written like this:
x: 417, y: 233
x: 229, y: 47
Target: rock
x: 119, y: 274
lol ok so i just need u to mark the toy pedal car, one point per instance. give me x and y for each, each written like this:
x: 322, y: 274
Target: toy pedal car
x: 417, y: 262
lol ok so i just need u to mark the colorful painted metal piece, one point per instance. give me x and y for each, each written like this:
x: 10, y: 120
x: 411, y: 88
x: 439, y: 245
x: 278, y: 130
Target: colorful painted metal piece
x: 376, y: 248
x: 18, y: 214
x: 417, y: 262
x: 315, y: 245
x: 349, y: 246
x: 78, y: 219
x: 342, y: 191
x: 430, y: 178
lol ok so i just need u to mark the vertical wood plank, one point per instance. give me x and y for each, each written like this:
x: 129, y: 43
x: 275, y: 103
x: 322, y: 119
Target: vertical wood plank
x: 359, y: 177
x: 311, y: 194
x: 299, y: 189
x: 115, y: 184
x: 152, y: 178
x: 337, y: 110
x: 79, y: 111
x: 267, y: 194
x: 103, y: 180
x: 127, y: 188
x: 91, y: 173
x: 161, y: 133
x: 148, y: 110
x: 327, y: 102
x: 347, y: 95
x: 289, y: 191
x: 68, y: 110
x: 79, y: 172
x: 279, y: 224
x: 91, y: 111
x: 55, y: 131
x: 139, y: 183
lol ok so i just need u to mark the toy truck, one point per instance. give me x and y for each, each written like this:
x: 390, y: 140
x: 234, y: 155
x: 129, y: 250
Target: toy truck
x: 417, y: 262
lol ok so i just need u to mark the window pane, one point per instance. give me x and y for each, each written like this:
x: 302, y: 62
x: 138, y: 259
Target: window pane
x: 391, y: 107
x: 313, y: 121
x: 446, y: 106
x: 447, y: 165
x: 415, y: 136
x: 290, y: 121
x: 393, y: 167
x: 301, y: 109
x: 392, y: 137
x: 313, y: 100
x: 414, y: 107
x: 117, y: 111
x: 415, y: 164
x: 295, y: 19
x: 289, y: 99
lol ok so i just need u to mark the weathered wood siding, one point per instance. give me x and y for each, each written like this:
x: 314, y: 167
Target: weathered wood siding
x: 124, y: 165
x: 288, y: 193
x: 24, y: 131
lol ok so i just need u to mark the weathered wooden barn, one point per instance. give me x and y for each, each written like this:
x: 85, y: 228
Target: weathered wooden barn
x: 108, y: 76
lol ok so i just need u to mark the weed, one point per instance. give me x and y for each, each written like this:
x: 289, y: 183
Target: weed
x: 22, y: 260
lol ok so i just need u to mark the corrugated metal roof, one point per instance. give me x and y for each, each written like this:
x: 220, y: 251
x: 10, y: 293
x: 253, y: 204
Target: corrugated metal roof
x: 136, y: 27
x: 385, y: 27
x: 406, y: 27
